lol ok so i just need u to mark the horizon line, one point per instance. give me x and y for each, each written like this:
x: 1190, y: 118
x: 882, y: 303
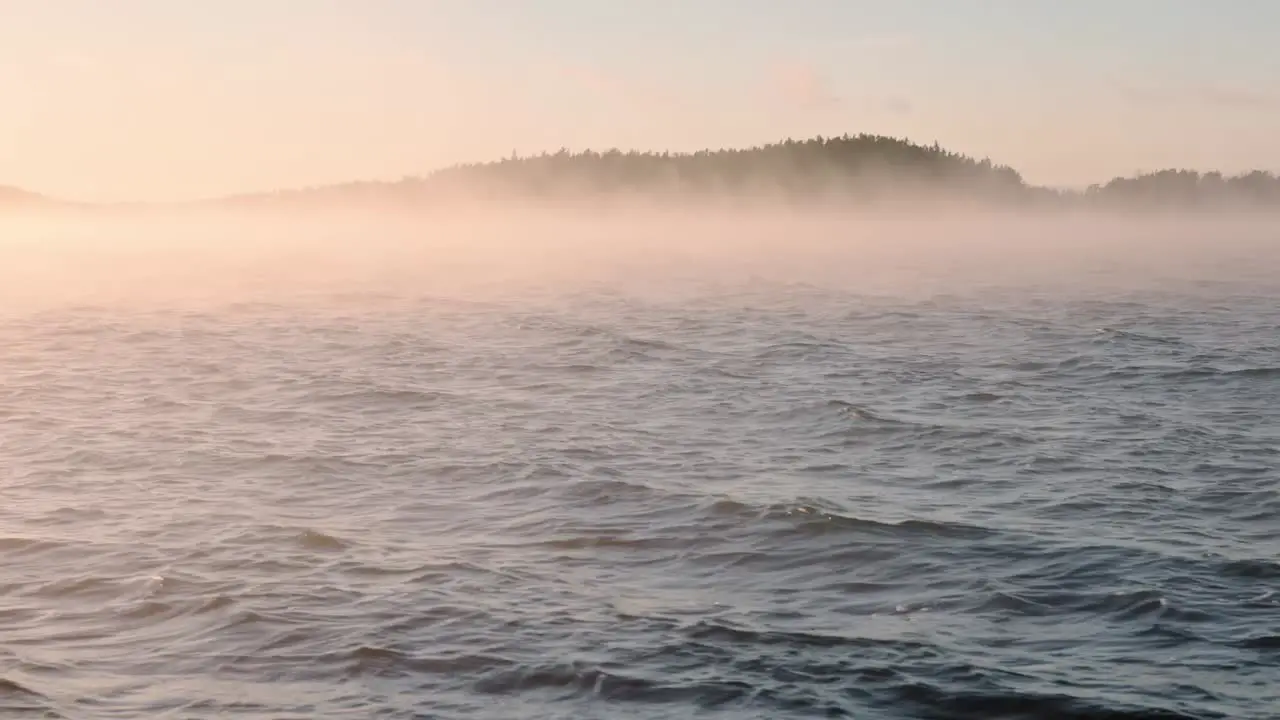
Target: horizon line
x: 39, y: 196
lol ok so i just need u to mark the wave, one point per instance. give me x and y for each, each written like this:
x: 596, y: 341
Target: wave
x: 18, y: 700
x: 833, y: 688
x: 936, y: 703
x: 982, y: 397
x: 368, y: 660
x: 576, y: 680
x: 1256, y: 569
x: 1116, y: 333
x: 841, y: 419
x: 812, y: 520
x: 713, y: 631
x: 1253, y: 373
x: 860, y: 412
x: 380, y: 397
x: 619, y: 542
x: 316, y: 540
x: 624, y: 345
x: 1261, y: 642
x: 31, y: 546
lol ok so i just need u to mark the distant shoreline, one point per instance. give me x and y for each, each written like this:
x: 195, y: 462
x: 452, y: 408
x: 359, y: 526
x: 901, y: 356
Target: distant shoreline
x: 863, y: 172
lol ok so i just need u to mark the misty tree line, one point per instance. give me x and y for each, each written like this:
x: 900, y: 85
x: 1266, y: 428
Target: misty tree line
x: 1188, y: 187
x: 862, y: 165
x: 16, y: 196
x: 844, y: 169
x: 849, y: 168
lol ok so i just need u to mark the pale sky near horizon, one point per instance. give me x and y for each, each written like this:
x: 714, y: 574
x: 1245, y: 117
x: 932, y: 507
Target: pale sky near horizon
x: 177, y: 99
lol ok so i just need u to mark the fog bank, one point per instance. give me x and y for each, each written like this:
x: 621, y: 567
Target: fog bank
x: 215, y: 257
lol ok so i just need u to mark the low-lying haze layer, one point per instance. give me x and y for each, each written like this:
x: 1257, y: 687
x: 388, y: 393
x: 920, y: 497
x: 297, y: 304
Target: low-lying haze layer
x: 229, y: 257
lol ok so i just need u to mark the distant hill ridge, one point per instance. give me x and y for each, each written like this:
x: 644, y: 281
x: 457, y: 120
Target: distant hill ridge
x: 853, y: 168
x: 10, y: 196
x: 850, y: 168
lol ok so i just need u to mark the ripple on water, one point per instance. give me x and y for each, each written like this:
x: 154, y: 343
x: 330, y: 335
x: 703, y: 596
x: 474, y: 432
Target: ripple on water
x: 775, y: 501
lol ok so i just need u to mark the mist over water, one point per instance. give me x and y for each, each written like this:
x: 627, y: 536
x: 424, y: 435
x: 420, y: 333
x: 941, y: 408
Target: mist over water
x: 224, y: 257
x: 640, y: 463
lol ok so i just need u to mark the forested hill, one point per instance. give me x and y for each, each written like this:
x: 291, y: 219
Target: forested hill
x: 853, y: 170
x: 849, y: 170
x: 1188, y: 188
x: 15, y: 198
x: 856, y: 166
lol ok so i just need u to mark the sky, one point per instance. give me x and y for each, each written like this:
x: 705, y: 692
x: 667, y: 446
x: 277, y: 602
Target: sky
x: 174, y: 99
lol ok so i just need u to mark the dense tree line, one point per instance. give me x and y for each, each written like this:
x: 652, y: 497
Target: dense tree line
x: 864, y: 166
x: 847, y: 169
x: 1188, y: 188
x: 14, y: 197
x: 850, y: 169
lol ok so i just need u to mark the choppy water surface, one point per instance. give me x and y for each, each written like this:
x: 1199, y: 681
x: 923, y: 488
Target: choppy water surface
x: 741, y: 499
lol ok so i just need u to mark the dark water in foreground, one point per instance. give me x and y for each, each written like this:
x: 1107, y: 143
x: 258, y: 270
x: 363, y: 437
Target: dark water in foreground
x: 754, y: 500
